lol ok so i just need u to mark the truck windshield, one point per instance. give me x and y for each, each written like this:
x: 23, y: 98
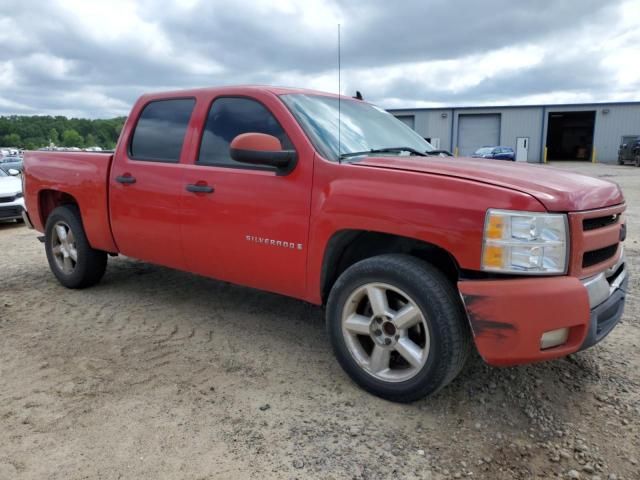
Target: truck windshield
x: 364, y: 128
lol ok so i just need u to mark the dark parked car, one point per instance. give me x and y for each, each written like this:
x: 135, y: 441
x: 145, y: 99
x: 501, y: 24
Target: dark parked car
x: 629, y: 152
x: 498, y: 153
x: 7, y: 163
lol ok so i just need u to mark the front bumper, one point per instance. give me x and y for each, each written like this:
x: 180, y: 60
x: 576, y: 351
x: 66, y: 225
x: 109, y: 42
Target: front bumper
x: 607, y: 292
x: 12, y: 210
x: 26, y: 219
x: 509, y: 317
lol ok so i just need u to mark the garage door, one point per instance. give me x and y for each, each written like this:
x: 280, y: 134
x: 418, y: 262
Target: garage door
x: 475, y: 131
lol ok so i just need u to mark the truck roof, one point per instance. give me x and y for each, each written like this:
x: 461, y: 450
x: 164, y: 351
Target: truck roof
x: 239, y: 89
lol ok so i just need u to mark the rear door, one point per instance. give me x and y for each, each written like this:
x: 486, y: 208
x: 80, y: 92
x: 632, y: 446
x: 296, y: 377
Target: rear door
x: 502, y: 153
x: 251, y: 227
x: 146, y: 183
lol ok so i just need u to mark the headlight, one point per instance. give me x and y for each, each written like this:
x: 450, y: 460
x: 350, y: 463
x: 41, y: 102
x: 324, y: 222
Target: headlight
x: 19, y: 195
x: 525, y: 242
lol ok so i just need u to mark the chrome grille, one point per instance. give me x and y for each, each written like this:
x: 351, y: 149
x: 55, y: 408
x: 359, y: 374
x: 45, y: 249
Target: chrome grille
x: 10, y: 212
x: 595, y: 240
x: 8, y: 199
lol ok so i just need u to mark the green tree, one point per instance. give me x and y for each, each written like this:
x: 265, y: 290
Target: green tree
x: 54, y: 137
x: 11, y: 140
x: 33, y: 143
x: 38, y: 130
x: 71, y: 138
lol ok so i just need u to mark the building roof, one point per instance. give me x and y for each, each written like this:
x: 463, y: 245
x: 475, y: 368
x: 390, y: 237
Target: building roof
x: 499, y: 107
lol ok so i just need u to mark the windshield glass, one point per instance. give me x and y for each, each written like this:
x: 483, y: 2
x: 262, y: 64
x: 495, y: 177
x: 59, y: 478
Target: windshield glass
x: 363, y: 126
x: 484, y: 151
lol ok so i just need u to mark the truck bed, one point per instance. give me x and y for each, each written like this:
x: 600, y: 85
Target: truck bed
x: 82, y: 175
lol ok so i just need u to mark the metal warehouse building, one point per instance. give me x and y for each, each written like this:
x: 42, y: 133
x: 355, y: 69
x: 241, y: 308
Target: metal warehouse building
x: 589, y: 132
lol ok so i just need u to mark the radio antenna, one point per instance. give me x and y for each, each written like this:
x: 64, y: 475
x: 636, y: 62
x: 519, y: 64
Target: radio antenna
x: 339, y: 101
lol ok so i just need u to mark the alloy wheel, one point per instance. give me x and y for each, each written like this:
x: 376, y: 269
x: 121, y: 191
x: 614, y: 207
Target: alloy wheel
x: 63, y: 247
x: 386, y: 332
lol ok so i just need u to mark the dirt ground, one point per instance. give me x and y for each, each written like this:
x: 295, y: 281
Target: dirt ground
x: 156, y: 373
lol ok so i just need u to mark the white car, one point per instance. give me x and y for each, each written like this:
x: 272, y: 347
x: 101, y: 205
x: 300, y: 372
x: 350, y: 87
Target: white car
x: 11, y: 199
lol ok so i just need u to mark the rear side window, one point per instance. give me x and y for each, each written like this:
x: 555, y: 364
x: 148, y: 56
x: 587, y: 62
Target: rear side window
x: 228, y: 118
x: 160, y: 130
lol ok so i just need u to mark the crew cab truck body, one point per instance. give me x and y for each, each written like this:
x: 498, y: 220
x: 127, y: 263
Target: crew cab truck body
x: 333, y: 201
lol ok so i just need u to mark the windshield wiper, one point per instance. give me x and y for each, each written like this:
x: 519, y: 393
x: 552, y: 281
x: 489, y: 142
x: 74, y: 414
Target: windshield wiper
x: 384, y: 150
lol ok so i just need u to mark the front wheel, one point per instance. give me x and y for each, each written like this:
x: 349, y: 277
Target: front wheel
x: 71, y: 259
x: 397, y: 327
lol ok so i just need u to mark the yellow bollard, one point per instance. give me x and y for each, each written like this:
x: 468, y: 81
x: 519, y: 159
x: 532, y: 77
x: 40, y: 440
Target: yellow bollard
x: 455, y: 152
x: 594, y: 156
x: 544, y: 158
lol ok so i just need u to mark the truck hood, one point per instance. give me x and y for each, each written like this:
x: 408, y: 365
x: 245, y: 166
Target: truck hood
x: 557, y: 190
x: 10, y: 186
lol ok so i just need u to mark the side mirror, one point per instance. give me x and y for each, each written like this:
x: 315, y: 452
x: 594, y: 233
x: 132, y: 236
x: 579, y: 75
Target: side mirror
x: 13, y: 172
x: 262, y: 149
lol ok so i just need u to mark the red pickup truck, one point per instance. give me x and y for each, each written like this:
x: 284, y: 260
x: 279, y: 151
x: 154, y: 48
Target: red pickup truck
x: 416, y: 255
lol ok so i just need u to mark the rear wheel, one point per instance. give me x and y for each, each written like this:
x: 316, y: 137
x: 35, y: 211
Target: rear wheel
x: 71, y: 259
x: 397, y: 327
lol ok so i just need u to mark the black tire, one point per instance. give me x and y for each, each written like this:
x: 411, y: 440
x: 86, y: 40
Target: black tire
x: 637, y: 160
x: 90, y: 265
x: 441, y: 307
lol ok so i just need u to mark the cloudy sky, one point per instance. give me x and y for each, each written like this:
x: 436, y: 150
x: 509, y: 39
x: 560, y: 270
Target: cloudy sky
x: 94, y: 58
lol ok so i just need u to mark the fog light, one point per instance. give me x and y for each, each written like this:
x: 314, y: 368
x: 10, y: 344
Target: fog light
x: 553, y: 338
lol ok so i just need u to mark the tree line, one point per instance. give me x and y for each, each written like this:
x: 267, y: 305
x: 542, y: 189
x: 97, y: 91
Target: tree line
x: 32, y: 132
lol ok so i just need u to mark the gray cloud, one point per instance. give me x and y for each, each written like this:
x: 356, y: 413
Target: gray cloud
x: 95, y: 59
x: 540, y: 79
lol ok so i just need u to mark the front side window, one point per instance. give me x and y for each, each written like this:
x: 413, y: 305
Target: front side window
x: 351, y: 127
x: 230, y: 117
x: 160, y: 130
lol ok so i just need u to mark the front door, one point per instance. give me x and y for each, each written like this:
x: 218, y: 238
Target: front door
x: 146, y: 184
x: 250, y: 225
x: 522, y: 149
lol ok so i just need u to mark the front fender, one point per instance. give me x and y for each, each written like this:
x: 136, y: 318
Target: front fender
x: 444, y: 211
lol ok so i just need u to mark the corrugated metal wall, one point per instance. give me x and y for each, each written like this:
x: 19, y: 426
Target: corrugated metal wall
x: 622, y: 120
x: 431, y: 124
x: 531, y: 121
x: 523, y: 122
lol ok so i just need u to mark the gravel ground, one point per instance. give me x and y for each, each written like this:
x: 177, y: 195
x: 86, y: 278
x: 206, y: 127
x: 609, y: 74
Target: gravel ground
x: 156, y: 373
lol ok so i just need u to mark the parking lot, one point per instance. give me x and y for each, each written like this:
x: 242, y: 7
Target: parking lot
x: 156, y: 373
